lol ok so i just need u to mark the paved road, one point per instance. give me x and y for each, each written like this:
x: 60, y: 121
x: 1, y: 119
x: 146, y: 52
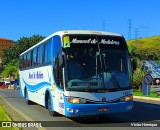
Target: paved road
x: 142, y: 112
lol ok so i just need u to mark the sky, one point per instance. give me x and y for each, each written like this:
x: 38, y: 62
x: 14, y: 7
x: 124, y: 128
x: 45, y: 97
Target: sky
x: 24, y: 18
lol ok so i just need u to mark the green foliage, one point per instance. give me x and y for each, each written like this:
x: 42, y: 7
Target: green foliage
x: 157, y: 62
x: 10, y: 56
x: 22, y: 45
x: 11, y: 69
x: 145, y: 48
x: 1, y: 69
x: 3, y: 115
x: 138, y: 77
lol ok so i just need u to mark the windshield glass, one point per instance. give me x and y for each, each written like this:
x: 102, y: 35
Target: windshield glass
x: 94, y: 66
x: 81, y: 63
x: 116, y: 68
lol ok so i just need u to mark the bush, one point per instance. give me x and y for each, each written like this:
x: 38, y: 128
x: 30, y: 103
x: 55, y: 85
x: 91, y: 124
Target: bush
x: 138, y: 77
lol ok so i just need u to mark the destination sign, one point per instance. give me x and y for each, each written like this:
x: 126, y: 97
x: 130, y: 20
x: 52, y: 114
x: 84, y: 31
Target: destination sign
x: 93, y: 40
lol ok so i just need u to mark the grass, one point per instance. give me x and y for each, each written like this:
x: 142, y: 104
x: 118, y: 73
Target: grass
x: 138, y: 93
x: 4, y: 117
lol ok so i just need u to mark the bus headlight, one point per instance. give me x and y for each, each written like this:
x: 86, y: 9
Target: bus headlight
x: 76, y: 100
x: 129, y: 98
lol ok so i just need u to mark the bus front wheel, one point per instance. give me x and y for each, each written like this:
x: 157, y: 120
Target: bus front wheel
x: 49, y: 105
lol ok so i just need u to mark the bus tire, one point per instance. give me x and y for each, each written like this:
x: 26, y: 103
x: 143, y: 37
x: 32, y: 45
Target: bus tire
x: 51, y: 112
x: 28, y: 102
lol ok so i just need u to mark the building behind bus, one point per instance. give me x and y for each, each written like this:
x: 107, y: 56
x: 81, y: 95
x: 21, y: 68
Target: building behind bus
x: 4, y: 43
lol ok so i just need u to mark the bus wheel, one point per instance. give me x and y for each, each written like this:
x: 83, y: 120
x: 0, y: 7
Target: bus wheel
x: 51, y: 112
x: 28, y: 102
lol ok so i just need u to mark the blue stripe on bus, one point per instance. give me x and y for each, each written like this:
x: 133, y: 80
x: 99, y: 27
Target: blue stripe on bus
x: 20, y: 89
x: 34, y: 88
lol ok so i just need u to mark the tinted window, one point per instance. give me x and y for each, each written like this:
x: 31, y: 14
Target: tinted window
x: 28, y: 59
x: 34, y: 56
x: 39, y: 58
x: 47, y: 52
x: 21, y: 62
x: 25, y: 61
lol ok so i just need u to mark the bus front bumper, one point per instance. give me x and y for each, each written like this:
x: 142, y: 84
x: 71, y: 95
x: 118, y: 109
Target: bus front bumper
x: 74, y: 110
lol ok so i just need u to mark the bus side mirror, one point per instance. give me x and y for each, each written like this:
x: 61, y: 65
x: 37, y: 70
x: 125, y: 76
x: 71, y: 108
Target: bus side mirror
x: 61, y: 61
x: 59, y: 64
x: 134, y: 65
x: 56, y: 70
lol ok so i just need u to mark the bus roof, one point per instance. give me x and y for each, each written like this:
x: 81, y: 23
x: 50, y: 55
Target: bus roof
x: 86, y: 32
x: 64, y: 32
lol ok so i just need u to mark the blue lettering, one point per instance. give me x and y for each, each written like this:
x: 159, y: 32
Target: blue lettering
x: 37, y: 75
x: 30, y: 76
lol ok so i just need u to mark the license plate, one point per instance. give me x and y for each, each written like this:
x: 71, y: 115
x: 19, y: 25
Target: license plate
x: 104, y: 109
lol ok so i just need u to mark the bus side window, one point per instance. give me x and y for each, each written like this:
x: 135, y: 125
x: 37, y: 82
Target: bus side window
x: 31, y: 58
x: 28, y: 59
x: 34, y: 57
x: 25, y: 61
x: 58, y: 70
x: 39, y: 57
x: 47, y: 52
x: 21, y: 62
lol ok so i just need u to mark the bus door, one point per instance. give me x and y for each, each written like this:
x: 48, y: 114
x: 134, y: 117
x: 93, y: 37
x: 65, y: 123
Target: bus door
x: 58, y: 76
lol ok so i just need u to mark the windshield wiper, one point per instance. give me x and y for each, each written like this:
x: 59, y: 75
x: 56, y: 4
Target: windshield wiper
x: 114, y: 81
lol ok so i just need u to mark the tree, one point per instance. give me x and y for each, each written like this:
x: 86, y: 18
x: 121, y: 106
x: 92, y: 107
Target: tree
x: 145, y: 48
x: 22, y: 45
x: 11, y: 70
x: 138, y: 77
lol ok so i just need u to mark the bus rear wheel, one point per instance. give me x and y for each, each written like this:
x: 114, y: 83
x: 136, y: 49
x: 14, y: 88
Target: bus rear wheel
x: 49, y: 105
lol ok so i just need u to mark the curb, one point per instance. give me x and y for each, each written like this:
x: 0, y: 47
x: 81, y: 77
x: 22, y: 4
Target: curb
x: 20, y: 113
x: 147, y: 98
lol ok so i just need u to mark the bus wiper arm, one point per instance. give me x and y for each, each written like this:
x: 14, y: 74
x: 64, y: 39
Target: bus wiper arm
x: 113, y: 78
x: 114, y: 81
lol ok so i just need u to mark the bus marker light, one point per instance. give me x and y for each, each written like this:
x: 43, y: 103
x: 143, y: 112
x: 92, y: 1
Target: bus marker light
x: 129, y: 107
x: 70, y: 110
x: 128, y: 98
x: 73, y: 100
x: 76, y: 110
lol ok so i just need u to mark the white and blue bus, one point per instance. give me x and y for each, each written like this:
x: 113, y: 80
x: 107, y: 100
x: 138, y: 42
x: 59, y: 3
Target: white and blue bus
x: 78, y: 73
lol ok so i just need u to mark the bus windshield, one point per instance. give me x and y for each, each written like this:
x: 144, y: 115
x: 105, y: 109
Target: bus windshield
x: 93, y: 67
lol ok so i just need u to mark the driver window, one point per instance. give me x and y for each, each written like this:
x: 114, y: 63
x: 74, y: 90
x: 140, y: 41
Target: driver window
x: 60, y: 66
